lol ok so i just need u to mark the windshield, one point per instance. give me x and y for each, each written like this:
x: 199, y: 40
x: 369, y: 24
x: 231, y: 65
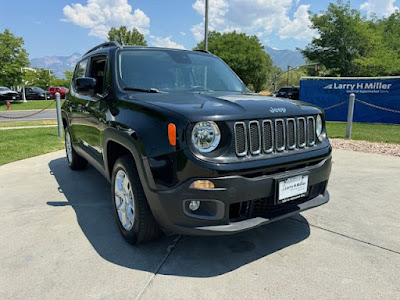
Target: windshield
x: 175, y: 71
x: 38, y: 90
x: 3, y: 89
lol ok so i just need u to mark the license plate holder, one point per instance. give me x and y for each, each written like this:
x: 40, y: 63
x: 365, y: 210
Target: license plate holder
x: 291, y: 188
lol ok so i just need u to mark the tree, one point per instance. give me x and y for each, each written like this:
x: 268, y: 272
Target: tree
x: 244, y: 54
x: 344, y: 38
x: 126, y: 37
x: 39, y: 77
x: 13, y: 57
x: 63, y: 81
x: 384, y: 58
x: 292, y: 77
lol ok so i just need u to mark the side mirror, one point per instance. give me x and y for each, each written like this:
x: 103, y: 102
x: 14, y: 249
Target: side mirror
x: 85, y: 85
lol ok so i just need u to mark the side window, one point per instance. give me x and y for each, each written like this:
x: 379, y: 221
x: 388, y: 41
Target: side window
x: 97, y: 71
x: 80, y: 70
x: 51, y: 89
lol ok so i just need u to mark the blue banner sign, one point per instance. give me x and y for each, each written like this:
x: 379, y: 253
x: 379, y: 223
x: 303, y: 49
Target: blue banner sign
x: 377, y: 99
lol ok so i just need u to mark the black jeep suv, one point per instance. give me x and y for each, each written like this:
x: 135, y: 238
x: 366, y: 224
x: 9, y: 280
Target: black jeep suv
x: 187, y: 147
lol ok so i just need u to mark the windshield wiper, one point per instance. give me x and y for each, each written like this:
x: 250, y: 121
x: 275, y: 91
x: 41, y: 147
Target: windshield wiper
x: 151, y: 90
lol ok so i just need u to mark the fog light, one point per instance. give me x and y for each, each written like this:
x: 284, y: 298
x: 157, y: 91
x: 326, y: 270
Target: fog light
x: 202, y: 185
x: 194, y: 205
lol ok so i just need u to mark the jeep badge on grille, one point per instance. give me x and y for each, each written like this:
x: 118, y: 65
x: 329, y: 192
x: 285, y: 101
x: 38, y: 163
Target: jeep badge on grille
x: 277, y: 110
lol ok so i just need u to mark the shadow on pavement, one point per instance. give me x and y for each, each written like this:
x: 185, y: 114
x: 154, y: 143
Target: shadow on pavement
x: 88, y: 192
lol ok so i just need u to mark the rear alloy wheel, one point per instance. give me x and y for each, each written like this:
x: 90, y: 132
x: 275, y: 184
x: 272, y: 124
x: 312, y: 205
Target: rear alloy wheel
x: 75, y: 161
x: 134, y: 217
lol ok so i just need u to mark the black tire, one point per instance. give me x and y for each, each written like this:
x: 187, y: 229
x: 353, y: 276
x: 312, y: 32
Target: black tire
x: 75, y: 161
x: 145, y: 227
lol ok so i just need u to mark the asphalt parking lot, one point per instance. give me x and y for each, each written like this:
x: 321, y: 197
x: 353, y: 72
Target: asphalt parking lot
x: 59, y: 240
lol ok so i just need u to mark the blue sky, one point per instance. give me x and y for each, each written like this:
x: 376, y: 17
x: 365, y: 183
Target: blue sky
x: 62, y: 27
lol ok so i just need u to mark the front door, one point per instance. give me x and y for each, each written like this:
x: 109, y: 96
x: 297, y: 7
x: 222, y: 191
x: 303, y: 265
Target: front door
x: 88, y: 119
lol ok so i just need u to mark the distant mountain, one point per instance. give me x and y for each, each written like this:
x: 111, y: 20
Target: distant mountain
x: 58, y: 64
x: 284, y: 58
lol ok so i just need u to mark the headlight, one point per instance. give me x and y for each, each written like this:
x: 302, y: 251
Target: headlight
x: 206, y: 136
x: 319, y: 126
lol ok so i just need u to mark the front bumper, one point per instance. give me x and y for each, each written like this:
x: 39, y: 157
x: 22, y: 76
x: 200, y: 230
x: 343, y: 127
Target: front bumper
x: 237, y: 203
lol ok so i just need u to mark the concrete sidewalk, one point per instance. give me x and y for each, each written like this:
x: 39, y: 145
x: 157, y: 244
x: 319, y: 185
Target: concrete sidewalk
x: 59, y: 240
x: 24, y: 115
x: 27, y: 127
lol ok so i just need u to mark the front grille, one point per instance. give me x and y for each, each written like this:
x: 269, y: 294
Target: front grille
x: 274, y: 136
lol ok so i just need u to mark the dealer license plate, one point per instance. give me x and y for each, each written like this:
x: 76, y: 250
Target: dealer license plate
x: 13, y: 98
x: 292, y: 188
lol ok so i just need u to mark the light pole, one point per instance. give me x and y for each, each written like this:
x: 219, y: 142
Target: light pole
x: 277, y: 76
x: 287, y: 76
x: 206, y: 27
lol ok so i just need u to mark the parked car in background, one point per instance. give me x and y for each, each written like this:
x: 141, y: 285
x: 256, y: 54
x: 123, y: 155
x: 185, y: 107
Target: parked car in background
x: 290, y: 92
x: 35, y: 93
x: 274, y: 94
x: 52, y: 90
x: 7, y: 94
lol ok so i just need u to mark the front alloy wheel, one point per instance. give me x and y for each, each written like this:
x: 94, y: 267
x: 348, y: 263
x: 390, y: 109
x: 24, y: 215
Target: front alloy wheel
x: 124, y: 200
x: 132, y: 212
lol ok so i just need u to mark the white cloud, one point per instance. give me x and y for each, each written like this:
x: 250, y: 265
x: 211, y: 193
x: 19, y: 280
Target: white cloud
x: 259, y: 17
x: 165, y: 42
x: 182, y: 33
x: 299, y: 27
x: 100, y: 15
x: 379, y: 7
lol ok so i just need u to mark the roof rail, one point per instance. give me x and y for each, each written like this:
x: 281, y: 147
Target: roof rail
x: 202, y: 50
x: 105, y: 45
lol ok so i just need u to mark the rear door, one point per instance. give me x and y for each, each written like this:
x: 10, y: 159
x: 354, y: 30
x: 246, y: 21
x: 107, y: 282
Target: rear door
x: 29, y: 93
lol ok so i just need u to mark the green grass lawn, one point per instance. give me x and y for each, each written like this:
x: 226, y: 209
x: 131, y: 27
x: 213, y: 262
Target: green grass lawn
x: 31, y: 104
x: 16, y: 144
x: 380, y: 133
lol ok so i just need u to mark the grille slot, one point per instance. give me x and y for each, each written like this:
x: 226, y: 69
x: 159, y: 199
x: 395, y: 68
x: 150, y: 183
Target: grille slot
x: 240, y: 139
x: 280, y: 135
x: 268, y: 136
x: 254, y: 137
x: 301, y: 135
x: 291, y: 133
x: 311, y: 131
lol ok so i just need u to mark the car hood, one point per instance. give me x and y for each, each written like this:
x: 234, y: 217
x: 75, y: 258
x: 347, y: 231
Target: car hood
x: 226, y: 106
x: 8, y: 92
